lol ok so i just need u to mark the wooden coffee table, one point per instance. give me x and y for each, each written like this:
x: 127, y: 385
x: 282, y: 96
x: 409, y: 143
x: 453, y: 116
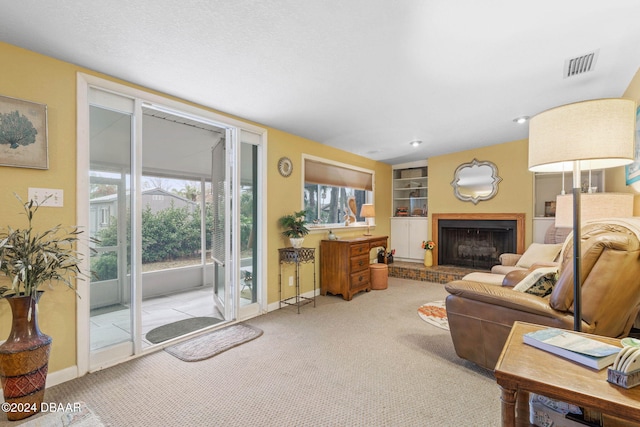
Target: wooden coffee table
x: 522, y: 369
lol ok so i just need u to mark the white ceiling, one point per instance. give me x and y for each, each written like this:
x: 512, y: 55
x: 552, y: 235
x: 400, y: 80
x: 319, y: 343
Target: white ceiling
x: 366, y: 76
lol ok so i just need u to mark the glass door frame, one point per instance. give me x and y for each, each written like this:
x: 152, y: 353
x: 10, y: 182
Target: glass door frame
x: 84, y: 82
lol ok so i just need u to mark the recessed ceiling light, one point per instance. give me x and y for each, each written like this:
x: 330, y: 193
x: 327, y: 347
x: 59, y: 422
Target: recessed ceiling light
x: 415, y: 143
x: 522, y: 119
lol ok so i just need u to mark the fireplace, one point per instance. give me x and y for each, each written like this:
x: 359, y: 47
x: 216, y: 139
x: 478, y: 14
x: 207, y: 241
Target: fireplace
x: 476, y: 240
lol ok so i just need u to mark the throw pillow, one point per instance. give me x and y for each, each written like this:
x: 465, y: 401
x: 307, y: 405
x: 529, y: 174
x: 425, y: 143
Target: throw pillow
x: 539, y: 252
x: 532, y: 278
x: 544, y: 285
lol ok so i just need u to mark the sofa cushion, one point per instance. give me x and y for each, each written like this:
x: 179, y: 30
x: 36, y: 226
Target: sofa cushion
x: 539, y: 252
x: 539, y: 282
x: 484, y: 277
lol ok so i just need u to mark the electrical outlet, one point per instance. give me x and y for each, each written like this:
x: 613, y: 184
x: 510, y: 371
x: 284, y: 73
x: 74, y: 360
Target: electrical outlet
x: 290, y: 280
x: 47, y: 196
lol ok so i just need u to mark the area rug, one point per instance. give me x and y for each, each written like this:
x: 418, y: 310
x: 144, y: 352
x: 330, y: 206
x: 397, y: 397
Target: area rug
x: 434, y: 313
x: 75, y: 414
x: 208, y: 345
x: 179, y: 328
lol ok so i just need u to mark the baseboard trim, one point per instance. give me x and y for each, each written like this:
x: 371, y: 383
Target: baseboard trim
x: 61, y: 376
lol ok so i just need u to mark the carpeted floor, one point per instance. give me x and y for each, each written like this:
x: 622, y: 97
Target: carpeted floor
x: 370, y: 361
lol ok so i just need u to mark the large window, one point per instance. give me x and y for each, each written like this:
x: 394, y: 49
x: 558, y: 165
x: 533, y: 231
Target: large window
x: 335, y: 192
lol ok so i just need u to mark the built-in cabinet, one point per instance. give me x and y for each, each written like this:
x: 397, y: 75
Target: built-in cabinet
x: 407, y: 235
x: 547, y: 186
x: 409, y: 224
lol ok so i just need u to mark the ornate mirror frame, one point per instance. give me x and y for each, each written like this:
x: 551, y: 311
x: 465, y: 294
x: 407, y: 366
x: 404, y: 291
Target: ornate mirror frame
x: 475, y: 181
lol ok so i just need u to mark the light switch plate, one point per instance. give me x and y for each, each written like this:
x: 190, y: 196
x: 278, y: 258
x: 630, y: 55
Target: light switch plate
x: 47, y: 196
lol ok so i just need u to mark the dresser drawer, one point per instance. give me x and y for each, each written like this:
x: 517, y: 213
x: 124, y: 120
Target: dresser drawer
x: 359, y: 263
x: 360, y: 249
x: 360, y: 280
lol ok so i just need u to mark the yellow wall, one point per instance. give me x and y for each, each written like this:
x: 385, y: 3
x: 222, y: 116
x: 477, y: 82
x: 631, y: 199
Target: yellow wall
x: 515, y: 191
x: 34, y: 77
x: 39, y: 79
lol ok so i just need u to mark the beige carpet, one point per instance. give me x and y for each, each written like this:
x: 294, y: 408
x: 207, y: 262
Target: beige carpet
x: 370, y: 361
x: 213, y: 343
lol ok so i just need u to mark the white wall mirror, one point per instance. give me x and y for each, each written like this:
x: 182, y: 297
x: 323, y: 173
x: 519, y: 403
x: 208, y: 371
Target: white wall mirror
x: 475, y: 181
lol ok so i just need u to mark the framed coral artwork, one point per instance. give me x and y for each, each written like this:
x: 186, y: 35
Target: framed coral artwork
x: 23, y: 134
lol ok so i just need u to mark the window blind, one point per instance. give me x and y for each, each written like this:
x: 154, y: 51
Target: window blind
x: 316, y: 172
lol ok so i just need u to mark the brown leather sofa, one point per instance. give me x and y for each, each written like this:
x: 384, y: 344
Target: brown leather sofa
x: 481, y: 315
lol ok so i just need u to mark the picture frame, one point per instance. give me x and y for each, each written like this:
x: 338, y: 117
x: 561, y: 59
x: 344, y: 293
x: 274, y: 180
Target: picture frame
x: 632, y: 171
x: 23, y: 134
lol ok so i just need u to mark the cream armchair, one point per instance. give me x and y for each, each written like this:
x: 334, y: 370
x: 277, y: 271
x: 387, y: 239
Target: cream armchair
x: 545, y: 254
x: 542, y: 254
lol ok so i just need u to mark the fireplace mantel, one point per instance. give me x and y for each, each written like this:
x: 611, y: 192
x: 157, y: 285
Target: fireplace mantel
x: 518, y: 217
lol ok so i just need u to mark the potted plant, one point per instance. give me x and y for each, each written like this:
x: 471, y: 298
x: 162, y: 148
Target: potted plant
x: 30, y: 259
x: 294, y: 225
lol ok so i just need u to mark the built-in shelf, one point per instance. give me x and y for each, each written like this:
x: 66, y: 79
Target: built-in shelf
x: 410, y: 191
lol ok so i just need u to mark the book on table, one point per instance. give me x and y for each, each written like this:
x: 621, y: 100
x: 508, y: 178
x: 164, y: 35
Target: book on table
x: 581, y: 349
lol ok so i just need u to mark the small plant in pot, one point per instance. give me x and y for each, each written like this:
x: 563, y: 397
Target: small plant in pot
x: 295, y: 229
x: 30, y: 259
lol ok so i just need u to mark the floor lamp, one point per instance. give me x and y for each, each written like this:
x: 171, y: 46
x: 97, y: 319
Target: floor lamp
x: 595, y: 134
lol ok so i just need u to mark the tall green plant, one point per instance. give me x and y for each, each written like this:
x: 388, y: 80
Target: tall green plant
x: 30, y: 258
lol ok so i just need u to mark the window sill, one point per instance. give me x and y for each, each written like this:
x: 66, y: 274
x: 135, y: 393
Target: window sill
x: 314, y: 229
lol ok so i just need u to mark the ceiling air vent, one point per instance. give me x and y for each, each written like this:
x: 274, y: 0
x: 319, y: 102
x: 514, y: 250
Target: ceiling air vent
x: 580, y: 65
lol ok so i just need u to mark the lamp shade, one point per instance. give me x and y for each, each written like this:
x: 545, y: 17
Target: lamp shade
x: 598, y: 133
x: 594, y: 206
x: 367, y: 211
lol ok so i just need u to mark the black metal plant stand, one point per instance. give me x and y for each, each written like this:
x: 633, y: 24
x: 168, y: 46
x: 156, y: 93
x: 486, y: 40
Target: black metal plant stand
x: 297, y: 256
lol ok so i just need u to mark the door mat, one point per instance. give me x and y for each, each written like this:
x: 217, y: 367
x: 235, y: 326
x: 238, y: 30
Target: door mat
x: 179, y: 328
x: 434, y: 313
x: 77, y: 415
x: 208, y: 345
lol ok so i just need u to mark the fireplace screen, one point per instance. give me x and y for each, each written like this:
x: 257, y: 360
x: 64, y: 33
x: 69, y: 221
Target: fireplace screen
x: 475, y: 243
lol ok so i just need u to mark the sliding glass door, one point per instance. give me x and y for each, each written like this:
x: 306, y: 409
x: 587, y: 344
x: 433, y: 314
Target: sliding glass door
x: 110, y: 162
x: 173, y: 199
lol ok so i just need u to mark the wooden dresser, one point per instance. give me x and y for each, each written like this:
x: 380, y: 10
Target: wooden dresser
x: 344, y: 265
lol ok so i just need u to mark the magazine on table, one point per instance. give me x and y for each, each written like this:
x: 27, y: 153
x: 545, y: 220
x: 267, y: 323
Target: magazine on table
x: 581, y: 349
